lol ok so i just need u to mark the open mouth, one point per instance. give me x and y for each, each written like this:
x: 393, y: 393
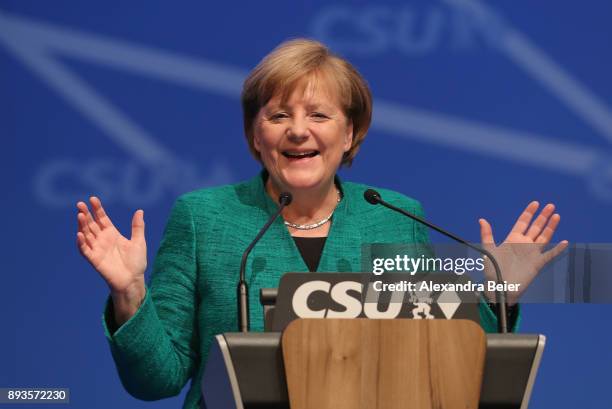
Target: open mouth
x: 300, y: 155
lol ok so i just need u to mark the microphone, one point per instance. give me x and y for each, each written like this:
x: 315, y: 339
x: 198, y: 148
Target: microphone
x: 373, y: 197
x: 284, y: 199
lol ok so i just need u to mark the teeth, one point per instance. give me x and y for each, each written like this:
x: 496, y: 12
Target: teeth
x: 290, y: 154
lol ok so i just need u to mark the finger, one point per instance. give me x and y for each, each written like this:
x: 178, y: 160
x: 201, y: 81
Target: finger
x: 555, y: 251
x: 83, y: 225
x: 524, y: 219
x: 101, y: 216
x: 90, y: 224
x: 82, y: 245
x: 138, y: 225
x: 486, y: 232
x: 90, y: 240
x: 83, y: 209
x: 549, y: 230
x: 538, y: 225
x: 82, y: 206
x: 94, y: 227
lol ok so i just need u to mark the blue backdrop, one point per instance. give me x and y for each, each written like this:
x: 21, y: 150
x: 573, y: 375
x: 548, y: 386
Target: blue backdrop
x: 495, y: 103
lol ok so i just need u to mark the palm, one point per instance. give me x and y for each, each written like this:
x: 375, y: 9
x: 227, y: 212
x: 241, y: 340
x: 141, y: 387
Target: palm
x: 521, y: 256
x: 121, y: 262
x: 115, y: 254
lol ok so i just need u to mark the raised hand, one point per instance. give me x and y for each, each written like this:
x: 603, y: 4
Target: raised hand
x: 120, y: 262
x: 521, y: 256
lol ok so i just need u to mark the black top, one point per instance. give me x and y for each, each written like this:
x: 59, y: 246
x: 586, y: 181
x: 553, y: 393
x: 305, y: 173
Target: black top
x: 311, y: 249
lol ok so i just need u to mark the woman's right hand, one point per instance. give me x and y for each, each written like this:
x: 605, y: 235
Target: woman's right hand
x: 120, y: 262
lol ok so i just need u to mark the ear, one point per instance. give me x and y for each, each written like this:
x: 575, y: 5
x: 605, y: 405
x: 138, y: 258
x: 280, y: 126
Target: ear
x: 256, y: 141
x: 348, y: 138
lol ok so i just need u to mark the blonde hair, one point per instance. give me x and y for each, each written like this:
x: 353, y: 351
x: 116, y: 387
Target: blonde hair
x: 286, y: 66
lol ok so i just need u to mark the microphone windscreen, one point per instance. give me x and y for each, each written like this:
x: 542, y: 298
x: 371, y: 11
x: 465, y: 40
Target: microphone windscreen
x: 371, y: 196
x: 285, y: 198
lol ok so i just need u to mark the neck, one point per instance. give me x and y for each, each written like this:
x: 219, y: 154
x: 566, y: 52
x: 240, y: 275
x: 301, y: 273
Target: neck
x: 308, y: 205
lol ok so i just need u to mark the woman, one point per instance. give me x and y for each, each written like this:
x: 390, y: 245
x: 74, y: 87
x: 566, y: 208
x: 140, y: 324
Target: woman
x: 306, y: 113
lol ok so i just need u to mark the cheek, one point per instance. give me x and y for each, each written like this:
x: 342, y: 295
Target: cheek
x: 260, y: 142
x: 343, y: 141
x: 265, y: 144
x: 259, y: 136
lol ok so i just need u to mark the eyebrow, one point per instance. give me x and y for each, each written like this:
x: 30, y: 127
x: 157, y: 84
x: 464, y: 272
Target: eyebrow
x: 310, y: 106
x: 320, y: 105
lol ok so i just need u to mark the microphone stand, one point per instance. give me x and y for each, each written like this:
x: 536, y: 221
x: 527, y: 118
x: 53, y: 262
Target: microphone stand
x: 373, y: 197
x: 243, y: 288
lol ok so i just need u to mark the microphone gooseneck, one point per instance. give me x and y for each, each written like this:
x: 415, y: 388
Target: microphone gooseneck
x: 373, y: 197
x: 284, y: 199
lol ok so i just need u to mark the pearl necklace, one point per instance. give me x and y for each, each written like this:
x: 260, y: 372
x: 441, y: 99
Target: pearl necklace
x: 317, y: 224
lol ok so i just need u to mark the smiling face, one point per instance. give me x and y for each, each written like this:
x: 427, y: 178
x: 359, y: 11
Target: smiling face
x: 302, y: 140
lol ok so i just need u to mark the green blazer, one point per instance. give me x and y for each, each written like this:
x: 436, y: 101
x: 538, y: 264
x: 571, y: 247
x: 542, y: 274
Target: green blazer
x: 192, y: 292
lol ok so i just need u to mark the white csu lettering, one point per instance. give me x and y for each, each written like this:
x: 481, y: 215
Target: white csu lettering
x: 339, y: 293
x: 407, y: 29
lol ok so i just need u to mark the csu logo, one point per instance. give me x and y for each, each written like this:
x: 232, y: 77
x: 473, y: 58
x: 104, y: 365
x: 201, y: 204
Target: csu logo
x: 316, y: 299
x: 409, y: 29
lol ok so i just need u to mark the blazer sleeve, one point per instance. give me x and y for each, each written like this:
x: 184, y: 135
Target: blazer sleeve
x: 488, y: 318
x: 156, y: 351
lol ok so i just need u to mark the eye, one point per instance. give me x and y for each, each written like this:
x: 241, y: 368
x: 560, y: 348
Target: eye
x: 319, y: 116
x: 278, y: 116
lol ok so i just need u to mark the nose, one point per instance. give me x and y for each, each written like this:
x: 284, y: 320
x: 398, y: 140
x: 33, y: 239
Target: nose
x: 298, y: 130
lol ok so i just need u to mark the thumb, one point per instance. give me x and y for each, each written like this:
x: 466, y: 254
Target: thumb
x: 138, y: 225
x: 555, y: 251
x: 486, y: 232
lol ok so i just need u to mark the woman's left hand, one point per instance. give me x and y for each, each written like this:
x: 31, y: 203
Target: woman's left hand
x: 521, y: 256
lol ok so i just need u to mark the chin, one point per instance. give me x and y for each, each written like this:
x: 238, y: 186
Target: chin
x: 303, y: 181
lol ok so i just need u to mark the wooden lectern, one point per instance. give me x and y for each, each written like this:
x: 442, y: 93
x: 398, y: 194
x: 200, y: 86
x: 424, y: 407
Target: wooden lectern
x: 390, y: 364
x: 364, y: 363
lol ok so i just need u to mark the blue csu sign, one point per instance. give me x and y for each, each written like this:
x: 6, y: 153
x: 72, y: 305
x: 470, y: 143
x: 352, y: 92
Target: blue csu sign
x: 355, y: 295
